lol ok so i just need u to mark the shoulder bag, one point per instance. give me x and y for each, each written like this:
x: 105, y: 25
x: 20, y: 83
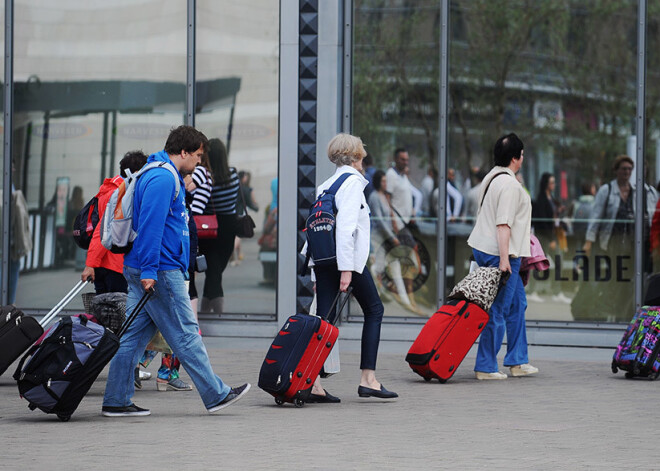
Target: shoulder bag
x: 207, y: 224
x: 244, y: 223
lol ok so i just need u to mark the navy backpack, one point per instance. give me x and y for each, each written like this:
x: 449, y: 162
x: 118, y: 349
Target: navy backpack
x: 320, y: 227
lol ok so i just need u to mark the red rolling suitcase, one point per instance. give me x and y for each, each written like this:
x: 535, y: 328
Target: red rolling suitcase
x: 446, y: 338
x: 297, y: 354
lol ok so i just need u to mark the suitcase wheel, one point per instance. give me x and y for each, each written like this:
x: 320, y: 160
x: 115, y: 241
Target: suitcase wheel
x: 298, y: 402
x: 64, y: 418
x: 630, y: 375
x: 442, y: 381
x: 614, y: 368
x: 428, y: 380
x: 279, y: 401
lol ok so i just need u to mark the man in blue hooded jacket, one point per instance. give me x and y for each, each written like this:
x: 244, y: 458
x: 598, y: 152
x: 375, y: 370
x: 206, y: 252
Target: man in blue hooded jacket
x: 159, y: 261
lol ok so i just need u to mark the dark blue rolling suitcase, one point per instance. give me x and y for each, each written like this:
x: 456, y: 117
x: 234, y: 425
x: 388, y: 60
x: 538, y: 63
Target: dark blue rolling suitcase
x: 296, y: 356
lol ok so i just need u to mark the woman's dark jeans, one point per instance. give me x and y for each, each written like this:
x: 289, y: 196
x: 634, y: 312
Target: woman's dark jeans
x: 366, y: 294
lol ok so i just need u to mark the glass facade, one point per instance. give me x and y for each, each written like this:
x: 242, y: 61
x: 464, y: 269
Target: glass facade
x: 395, y: 112
x: 560, y: 75
x: 237, y: 50
x: 94, y: 82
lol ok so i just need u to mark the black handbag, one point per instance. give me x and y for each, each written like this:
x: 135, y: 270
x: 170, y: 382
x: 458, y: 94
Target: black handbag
x: 244, y: 223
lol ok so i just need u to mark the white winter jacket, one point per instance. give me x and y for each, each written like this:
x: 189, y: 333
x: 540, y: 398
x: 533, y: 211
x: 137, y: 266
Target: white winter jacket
x: 353, y: 226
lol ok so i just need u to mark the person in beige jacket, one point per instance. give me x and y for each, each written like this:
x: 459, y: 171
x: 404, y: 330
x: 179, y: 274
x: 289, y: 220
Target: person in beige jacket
x: 501, y: 236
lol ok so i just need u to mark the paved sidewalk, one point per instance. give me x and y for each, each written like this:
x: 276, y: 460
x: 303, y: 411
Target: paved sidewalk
x: 574, y: 415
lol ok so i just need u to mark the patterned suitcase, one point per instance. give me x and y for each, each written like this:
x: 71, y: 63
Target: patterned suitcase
x: 445, y: 339
x: 637, y: 353
x: 296, y: 356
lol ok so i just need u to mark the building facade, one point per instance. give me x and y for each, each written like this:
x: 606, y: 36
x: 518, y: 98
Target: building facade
x: 85, y: 82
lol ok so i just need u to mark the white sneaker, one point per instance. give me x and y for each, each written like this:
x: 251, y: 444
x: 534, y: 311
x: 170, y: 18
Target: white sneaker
x: 144, y: 375
x: 523, y: 370
x: 561, y: 298
x: 485, y: 376
x: 534, y: 297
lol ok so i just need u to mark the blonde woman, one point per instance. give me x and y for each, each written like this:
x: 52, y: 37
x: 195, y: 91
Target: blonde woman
x: 352, y: 239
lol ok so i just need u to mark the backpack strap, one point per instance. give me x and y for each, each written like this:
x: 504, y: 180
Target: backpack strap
x: 166, y: 165
x: 337, y: 183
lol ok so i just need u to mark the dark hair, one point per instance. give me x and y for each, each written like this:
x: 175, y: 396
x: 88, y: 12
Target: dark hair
x: 398, y: 151
x: 377, y: 178
x: 507, y: 148
x: 543, y: 185
x: 586, y: 188
x: 621, y: 159
x: 185, y: 138
x: 368, y: 160
x: 218, y: 160
x: 133, y: 160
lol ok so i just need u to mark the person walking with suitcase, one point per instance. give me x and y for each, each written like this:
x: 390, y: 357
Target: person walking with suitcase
x: 501, y: 236
x: 352, y: 249
x: 158, y: 261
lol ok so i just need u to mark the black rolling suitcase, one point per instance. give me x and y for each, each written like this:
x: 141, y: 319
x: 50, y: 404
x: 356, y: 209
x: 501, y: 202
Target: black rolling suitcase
x: 18, y: 331
x: 56, y: 374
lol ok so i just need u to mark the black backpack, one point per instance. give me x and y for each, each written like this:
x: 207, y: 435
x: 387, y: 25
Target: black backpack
x: 85, y: 223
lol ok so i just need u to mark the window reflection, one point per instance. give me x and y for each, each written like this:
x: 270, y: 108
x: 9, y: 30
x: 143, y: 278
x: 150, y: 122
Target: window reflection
x: 237, y: 45
x: 88, y: 88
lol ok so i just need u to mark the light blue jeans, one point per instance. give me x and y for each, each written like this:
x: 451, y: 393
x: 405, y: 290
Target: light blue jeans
x: 507, y: 312
x: 169, y: 311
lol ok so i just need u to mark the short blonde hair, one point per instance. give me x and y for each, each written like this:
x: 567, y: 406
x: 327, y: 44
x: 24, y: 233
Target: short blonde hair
x: 344, y: 149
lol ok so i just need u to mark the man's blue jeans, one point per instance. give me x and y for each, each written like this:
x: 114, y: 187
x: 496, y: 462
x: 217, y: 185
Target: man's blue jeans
x: 169, y: 311
x: 507, y: 312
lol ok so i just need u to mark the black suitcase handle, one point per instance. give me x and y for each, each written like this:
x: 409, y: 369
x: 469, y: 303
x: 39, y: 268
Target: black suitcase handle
x: 131, y: 317
x: 333, y: 321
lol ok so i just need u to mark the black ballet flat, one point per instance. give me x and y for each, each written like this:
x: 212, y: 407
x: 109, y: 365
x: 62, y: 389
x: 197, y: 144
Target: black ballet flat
x: 381, y: 393
x: 319, y: 399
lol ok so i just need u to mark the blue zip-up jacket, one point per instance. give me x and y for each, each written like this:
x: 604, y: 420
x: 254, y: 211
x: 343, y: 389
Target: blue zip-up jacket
x: 163, y: 241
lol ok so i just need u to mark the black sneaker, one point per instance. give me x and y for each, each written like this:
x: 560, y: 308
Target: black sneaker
x: 234, y: 395
x: 126, y: 411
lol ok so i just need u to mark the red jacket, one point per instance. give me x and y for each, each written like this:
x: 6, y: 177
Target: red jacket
x: 97, y: 255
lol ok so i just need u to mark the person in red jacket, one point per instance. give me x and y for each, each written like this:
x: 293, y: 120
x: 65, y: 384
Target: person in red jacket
x: 104, y: 267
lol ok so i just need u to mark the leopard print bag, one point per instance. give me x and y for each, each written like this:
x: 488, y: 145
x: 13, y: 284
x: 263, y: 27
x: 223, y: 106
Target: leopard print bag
x: 480, y: 287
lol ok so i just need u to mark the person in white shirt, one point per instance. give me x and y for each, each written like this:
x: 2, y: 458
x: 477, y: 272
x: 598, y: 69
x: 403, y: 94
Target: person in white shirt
x: 352, y: 240
x: 500, y: 238
x: 399, y: 188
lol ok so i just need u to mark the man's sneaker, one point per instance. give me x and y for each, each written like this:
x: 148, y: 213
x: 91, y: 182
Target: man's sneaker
x: 127, y: 411
x: 234, y: 395
x: 144, y: 375
x: 173, y: 385
x: 523, y: 370
x: 485, y: 376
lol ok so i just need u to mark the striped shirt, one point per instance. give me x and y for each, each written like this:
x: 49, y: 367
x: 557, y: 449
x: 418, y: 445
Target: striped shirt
x: 223, y: 195
x: 202, y: 193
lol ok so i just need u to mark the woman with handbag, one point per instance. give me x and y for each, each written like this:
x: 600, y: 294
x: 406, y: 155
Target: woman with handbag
x: 222, y: 204
x: 199, y: 185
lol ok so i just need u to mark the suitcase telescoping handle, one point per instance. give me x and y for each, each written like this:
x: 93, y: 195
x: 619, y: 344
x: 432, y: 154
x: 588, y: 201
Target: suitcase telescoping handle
x: 333, y: 321
x: 131, y: 317
x: 52, y: 314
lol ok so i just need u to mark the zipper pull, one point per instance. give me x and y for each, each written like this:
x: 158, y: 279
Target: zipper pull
x: 49, y: 380
x: 279, y: 380
x: 88, y: 346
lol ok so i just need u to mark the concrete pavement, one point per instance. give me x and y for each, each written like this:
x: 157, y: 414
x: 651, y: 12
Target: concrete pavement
x: 575, y: 414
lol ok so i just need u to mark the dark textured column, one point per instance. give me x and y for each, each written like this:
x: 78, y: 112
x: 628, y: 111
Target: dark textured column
x: 307, y: 101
